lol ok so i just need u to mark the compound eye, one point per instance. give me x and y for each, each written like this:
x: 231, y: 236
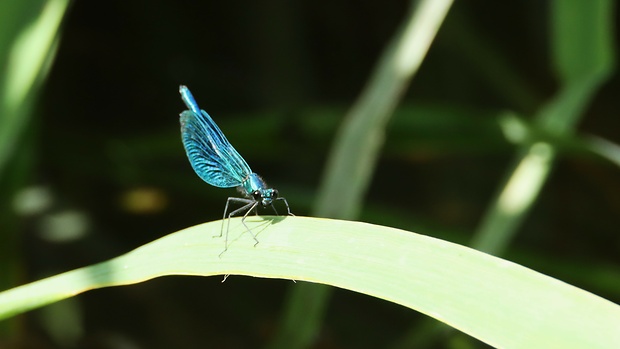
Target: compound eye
x: 257, y: 195
x: 274, y: 194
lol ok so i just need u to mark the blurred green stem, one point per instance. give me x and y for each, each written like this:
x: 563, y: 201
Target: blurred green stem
x: 352, y: 161
x: 28, y: 41
x: 584, y: 59
x: 29, y: 52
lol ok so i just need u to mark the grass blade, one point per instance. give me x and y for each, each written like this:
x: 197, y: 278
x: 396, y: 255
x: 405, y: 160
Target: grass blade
x: 497, y: 301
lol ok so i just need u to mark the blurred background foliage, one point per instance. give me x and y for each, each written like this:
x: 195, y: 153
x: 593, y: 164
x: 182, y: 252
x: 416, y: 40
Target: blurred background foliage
x: 92, y: 166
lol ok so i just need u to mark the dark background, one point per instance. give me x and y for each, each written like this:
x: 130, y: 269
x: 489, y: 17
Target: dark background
x: 278, y: 78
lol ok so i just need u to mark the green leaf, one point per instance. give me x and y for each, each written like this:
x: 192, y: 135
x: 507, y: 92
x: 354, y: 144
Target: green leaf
x: 28, y: 42
x: 582, y: 38
x: 499, y: 302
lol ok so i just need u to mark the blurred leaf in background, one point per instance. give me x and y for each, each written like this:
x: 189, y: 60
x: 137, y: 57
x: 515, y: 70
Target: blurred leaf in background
x: 29, y: 35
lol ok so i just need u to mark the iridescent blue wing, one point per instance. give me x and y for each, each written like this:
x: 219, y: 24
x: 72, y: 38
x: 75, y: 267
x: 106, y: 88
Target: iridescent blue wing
x: 211, y: 155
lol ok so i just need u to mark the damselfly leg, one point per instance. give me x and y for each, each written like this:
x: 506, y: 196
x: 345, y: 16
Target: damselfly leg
x: 249, y: 205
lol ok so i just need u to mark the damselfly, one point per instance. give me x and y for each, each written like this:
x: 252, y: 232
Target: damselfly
x: 216, y: 162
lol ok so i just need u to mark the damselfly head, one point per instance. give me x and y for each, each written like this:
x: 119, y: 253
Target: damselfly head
x: 265, y: 196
